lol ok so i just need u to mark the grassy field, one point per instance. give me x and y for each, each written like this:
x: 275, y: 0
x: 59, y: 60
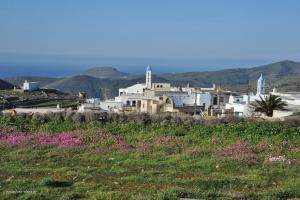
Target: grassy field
x: 65, y: 160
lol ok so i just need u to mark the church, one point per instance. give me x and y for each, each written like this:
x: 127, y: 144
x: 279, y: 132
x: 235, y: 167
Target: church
x: 156, y: 98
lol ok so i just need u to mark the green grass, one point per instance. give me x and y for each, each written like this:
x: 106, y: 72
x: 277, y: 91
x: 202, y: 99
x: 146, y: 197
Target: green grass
x: 182, y: 161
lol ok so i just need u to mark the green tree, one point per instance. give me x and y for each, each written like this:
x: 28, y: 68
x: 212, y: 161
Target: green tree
x: 269, y: 104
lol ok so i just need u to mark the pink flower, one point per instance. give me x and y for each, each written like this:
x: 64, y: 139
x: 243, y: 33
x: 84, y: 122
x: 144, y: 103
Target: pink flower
x: 122, y: 146
x: 65, y: 139
x: 144, y: 146
x: 237, y: 147
x: 240, y: 152
x: 14, y: 138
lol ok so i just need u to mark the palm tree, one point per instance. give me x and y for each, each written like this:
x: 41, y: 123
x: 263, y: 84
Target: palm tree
x: 269, y: 104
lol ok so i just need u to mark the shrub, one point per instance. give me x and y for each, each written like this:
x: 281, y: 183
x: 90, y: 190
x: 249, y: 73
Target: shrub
x: 29, y: 116
x: 189, y: 120
x: 49, y: 182
x: 231, y: 120
x: 293, y: 121
x: 91, y: 116
x: 58, y: 117
x: 38, y: 117
x: 156, y: 118
x: 144, y: 118
x: 166, y: 119
x: 69, y: 115
x: 22, y: 116
x: 78, y: 117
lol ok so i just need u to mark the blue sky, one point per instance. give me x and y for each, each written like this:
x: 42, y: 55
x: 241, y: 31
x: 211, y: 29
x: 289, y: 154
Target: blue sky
x: 258, y: 30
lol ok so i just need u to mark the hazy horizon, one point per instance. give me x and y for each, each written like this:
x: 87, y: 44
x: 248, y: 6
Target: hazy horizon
x: 59, y: 38
x: 58, y: 65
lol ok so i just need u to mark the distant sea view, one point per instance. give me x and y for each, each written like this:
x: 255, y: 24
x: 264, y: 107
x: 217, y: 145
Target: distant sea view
x: 57, y: 66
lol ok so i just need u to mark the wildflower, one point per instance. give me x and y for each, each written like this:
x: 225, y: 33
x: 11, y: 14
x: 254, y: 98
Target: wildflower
x: 277, y: 159
x: 122, y: 146
x: 65, y: 139
x: 164, y: 139
x: 14, y: 138
x: 240, y: 152
x: 144, y: 146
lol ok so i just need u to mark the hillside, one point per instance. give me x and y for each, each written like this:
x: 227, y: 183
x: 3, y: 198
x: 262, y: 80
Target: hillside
x: 125, y: 158
x: 5, y: 85
x: 95, y: 87
x: 105, y: 72
x: 19, y: 80
x: 280, y: 71
x: 104, y: 82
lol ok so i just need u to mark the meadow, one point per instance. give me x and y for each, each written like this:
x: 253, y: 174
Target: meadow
x: 130, y: 160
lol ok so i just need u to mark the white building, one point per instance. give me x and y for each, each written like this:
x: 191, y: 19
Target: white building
x: 134, y: 89
x: 87, y: 107
x: 30, y: 86
x: 241, y: 105
x: 148, y: 77
x: 292, y: 100
x: 261, y: 85
x: 162, y: 97
x: 111, y: 105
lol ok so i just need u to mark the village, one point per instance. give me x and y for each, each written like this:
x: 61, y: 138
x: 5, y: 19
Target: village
x: 157, y: 98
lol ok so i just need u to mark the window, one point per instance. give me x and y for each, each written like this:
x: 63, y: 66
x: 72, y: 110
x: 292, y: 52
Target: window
x: 215, y: 100
x: 133, y: 103
x: 221, y: 99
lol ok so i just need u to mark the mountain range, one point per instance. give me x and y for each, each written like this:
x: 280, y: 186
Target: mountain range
x: 104, y: 81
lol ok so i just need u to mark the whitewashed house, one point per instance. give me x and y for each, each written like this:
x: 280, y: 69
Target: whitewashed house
x: 30, y: 86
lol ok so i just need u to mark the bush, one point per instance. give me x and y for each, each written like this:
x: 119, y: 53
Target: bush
x: 293, y: 121
x: 91, y: 116
x: 156, y: 118
x: 78, y: 117
x: 38, y: 117
x: 231, y: 120
x: 58, y: 117
x: 22, y: 116
x: 69, y: 115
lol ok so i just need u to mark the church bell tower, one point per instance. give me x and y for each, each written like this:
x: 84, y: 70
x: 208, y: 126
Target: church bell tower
x: 148, y: 77
x: 260, y: 86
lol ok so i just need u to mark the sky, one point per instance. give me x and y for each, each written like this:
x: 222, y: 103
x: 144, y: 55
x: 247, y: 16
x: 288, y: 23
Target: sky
x: 166, y: 33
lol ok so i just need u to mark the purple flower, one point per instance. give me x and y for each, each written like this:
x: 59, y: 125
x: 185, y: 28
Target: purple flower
x: 122, y: 146
x: 14, y: 138
x: 240, y: 152
x: 65, y: 139
x: 144, y: 146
